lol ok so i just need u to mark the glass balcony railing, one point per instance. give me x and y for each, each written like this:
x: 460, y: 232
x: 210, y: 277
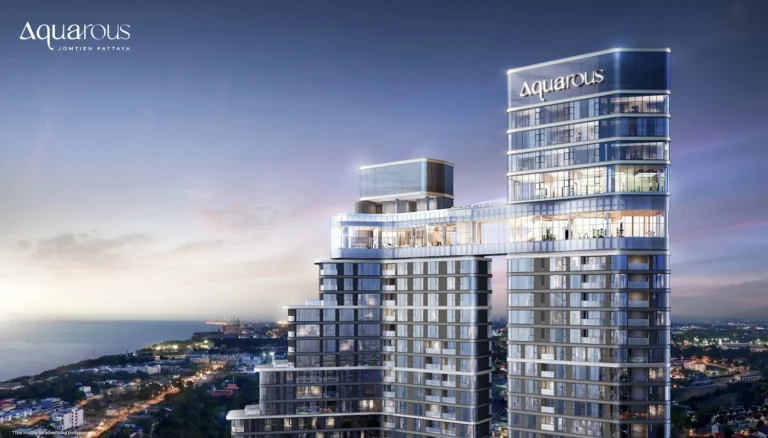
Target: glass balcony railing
x: 637, y: 322
x: 433, y: 398
x: 638, y: 285
x: 638, y: 303
x: 637, y: 341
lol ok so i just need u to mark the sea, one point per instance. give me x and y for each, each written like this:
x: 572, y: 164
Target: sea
x: 31, y: 347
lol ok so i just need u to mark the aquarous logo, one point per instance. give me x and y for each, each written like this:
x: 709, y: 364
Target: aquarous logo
x: 540, y: 88
x: 80, y: 37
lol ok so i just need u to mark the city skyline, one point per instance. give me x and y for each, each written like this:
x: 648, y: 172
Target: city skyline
x: 198, y: 171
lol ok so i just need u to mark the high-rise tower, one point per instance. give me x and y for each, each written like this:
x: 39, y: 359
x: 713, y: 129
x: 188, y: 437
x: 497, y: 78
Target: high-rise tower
x: 588, y: 289
x: 398, y: 343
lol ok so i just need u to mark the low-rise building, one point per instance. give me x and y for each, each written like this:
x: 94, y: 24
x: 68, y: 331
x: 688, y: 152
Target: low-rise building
x: 749, y: 376
x: 67, y: 419
x: 695, y: 365
x: 150, y: 369
x: 199, y: 358
x: 16, y: 414
x: 52, y: 404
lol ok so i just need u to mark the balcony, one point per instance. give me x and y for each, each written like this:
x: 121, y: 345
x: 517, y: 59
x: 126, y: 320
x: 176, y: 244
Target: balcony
x: 449, y: 367
x: 548, y: 409
x: 549, y: 427
x: 593, y: 285
x: 433, y: 398
x: 389, y: 379
x: 639, y: 360
x: 449, y: 383
x: 433, y: 366
x: 388, y: 333
x: 291, y: 334
x: 391, y: 318
x: 389, y: 409
x: 637, y: 341
x: 593, y: 267
x: 638, y: 285
x: 389, y: 303
x: 389, y: 424
x: 449, y: 416
x: 545, y: 356
x: 433, y: 414
x: 389, y: 287
x: 548, y: 374
x: 389, y: 394
x: 435, y: 382
x: 389, y: 272
x: 449, y: 351
x: 449, y: 432
x: 324, y: 287
x: 592, y: 321
x: 638, y: 266
x: 637, y: 322
x: 638, y: 303
x: 388, y: 364
x: 435, y: 430
x: 545, y: 391
x: 329, y: 272
x: 593, y: 304
x: 451, y: 400
x: 291, y: 318
x: 388, y: 348
x: 433, y: 351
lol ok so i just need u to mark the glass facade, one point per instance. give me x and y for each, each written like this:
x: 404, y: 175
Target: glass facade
x: 588, y: 345
x: 406, y: 178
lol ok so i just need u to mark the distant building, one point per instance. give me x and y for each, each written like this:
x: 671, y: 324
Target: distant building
x: 52, y: 404
x: 85, y: 389
x: 67, y: 419
x: 15, y: 414
x: 251, y: 360
x: 150, y: 369
x: 695, y: 365
x: 200, y: 358
x: 12, y: 386
x: 749, y: 376
x: 734, y: 345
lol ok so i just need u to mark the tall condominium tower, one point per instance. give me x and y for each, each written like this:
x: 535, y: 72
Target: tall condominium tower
x: 588, y: 284
x: 398, y: 343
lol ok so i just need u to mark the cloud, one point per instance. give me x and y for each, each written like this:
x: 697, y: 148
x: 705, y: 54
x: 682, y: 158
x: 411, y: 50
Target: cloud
x: 83, y: 250
x: 239, y: 219
x: 200, y: 194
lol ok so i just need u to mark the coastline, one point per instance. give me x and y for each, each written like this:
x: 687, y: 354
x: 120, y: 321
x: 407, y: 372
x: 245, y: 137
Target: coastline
x: 30, y: 348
